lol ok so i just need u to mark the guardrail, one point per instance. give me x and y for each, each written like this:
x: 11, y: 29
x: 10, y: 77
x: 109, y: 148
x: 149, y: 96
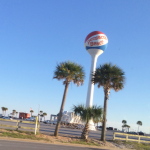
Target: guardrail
x: 18, y: 124
x: 128, y: 137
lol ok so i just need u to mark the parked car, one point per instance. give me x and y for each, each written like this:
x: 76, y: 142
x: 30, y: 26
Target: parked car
x: 109, y: 128
x: 47, y: 122
x: 132, y: 132
x: 7, y: 118
x: 53, y: 122
x: 30, y: 119
x: 141, y: 133
x: 98, y: 127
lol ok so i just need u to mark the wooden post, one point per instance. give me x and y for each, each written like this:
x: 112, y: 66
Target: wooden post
x: 36, y: 123
x: 38, y: 126
x: 114, y: 136
x: 17, y: 125
x: 126, y: 138
x: 139, y: 139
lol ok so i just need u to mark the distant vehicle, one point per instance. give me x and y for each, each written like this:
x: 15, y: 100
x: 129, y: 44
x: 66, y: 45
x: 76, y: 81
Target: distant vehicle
x: 109, y: 128
x: 50, y: 122
x: 53, y: 122
x: 141, y: 133
x: 132, y: 132
x: 47, y: 122
x: 98, y: 127
x: 1, y: 116
x: 7, y: 118
x: 115, y: 129
x: 30, y: 119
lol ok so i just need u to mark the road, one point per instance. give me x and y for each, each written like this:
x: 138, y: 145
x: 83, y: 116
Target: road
x: 49, y: 129
x: 16, y: 145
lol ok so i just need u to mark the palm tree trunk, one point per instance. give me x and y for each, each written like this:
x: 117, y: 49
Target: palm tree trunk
x: 85, y: 133
x: 61, y: 109
x: 103, y: 133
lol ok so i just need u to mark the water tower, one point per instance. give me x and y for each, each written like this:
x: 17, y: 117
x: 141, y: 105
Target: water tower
x: 95, y: 43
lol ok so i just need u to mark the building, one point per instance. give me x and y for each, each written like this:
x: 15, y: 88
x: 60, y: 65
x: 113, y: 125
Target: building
x: 68, y: 117
x: 23, y: 115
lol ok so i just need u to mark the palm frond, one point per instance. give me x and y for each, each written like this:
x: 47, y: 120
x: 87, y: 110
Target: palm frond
x: 109, y: 76
x: 88, y: 113
x: 69, y: 72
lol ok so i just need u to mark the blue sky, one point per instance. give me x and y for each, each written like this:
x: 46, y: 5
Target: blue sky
x: 36, y: 35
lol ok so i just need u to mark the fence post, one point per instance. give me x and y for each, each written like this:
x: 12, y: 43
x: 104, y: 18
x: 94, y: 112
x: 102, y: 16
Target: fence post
x: 38, y: 127
x: 126, y: 137
x: 114, y: 136
x: 36, y: 122
x: 17, y: 125
x: 139, y: 139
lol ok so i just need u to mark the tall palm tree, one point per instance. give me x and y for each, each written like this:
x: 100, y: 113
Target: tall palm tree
x: 109, y: 77
x: 44, y: 114
x: 86, y: 114
x: 139, y: 123
x: 68, y: 72
x: 31, y: 111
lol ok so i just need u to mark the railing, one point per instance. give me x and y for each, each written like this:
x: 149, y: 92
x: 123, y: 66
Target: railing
x: 19, y: 126
x: 145, y: 139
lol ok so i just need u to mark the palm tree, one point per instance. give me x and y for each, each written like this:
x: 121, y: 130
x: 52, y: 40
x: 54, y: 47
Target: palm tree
x: 16, y: 114
x: 13, y: 112
x: 41, y: 115
x: 124, y: 121
x: 3, y: 109
x: 68, y: 72
x: 87, y: 114
x: 109, y: 77
x: 31, y: 111
x: 44, y: 114
x: 139, y: 123
x: 124, y: 124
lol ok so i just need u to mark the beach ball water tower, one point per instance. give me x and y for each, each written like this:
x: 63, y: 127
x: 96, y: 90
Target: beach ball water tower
x: 95, y: 43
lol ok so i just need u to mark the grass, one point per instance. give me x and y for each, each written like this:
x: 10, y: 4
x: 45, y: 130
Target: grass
x: 49, y: 138
x: 20, y: 135
x: 71, y: 140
